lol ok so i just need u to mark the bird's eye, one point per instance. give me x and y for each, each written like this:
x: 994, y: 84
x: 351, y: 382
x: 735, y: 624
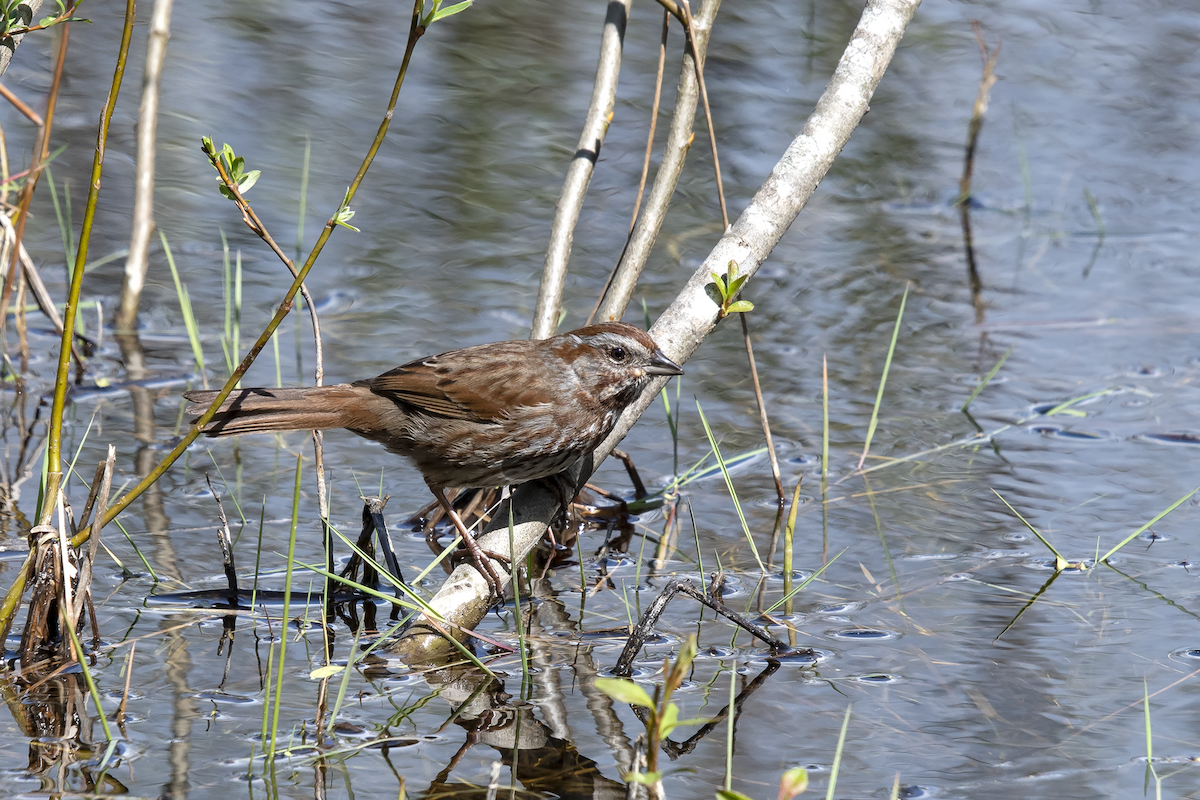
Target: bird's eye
x: 617, y: 354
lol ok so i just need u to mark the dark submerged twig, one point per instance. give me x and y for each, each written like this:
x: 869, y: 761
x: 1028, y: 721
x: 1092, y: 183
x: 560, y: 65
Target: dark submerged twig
x: 373, y: 522
x: 645, y: 627
x: 225, y: 538
x: 986, y: 81
x: 676, y: 749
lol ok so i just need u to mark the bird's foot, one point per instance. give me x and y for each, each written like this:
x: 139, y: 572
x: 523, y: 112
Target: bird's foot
x: 483, y: 563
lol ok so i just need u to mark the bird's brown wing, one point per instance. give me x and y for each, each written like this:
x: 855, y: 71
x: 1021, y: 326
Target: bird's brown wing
x: 480, y: 387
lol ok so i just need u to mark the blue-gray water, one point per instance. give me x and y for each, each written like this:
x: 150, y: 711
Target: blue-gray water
x: 1094, y: 100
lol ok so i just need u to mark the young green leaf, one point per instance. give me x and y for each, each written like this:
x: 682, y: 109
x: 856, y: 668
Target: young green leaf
x: 624, y: 691
x: 741, y: 306
x: 669, y: 721
x: 645, y: 778
x: 247, y: 181
x: 449, y: 11
x: 720, y: 282
x: 683, y: 662
x: 325, y: 671
x: 793, y: 782
x: 343, y: 218
x: 730, y: 794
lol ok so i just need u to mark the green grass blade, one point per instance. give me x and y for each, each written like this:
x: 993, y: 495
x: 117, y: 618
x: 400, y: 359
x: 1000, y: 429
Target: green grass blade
x: 1059, y: 561
x: 789, y: 533
x: 345, y: 681
x: 986, y: 379
x: 805, y: 582
x: 887, y: 366
x: 138, y: 551
x: 515, y: 580
x: 824, y: 457
x: 287, y: 606
x: 824, y: 420
x: 64, y: 222
x: 237, y: 308
x: 732, y: 717
x: 729, y: 483
x: 837, y: 756
x: 227, y: 291
x: 303, y: 195
x: 91, y: 682
x: 1161, y: 514
x: 185, y: 308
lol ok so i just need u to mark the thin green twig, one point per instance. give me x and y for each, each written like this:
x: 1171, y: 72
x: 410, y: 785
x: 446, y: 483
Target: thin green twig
x: 61, y: 380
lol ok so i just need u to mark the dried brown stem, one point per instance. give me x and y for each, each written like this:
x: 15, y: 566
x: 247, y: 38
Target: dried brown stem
x: 84, y: 587
x: 20, y: 105
x: 40, y: 294
x: 988, y: 79
x: 658, y: 81
x: 762, y: 412
x: 41, y: 149
x: 712, y: 137
x: 637, y: 204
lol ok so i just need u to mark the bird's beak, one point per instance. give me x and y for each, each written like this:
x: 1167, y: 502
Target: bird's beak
x: 661, y: 365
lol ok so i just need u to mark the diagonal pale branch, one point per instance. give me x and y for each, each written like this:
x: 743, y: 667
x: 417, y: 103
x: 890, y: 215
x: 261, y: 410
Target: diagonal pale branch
x: 8, y: 44
x: 463, y: 598
x: 579, y: 173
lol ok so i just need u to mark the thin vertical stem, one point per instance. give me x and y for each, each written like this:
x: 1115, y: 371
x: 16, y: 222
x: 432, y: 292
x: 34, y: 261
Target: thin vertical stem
x: 287, y: 605
x: 54, y: 441
x: 762, y: 415
x: 824, y: 458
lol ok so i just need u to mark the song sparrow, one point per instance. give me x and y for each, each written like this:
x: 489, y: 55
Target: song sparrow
x: 490, y: 415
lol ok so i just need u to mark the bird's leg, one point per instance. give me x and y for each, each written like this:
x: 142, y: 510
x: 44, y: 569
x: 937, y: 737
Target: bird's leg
x: 482, y: 563
x: 562, y: 484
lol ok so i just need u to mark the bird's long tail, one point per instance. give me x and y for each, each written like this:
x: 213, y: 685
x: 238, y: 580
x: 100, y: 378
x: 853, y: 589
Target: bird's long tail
x: 265, y: 410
